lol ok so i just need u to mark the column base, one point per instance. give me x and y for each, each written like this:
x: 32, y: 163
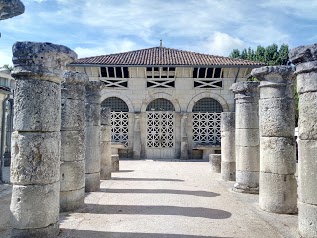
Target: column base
x: 50, y: 231
x: 92, y: 182
x: 307, y: 220
x: 228, y: 171
x: 72, y: 200
x: 244, y: 189
x: 115, y: 163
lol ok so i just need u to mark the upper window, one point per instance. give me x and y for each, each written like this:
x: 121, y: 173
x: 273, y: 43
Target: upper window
x: 160, y: 72
x: 208, y: 73
x: 114, y: 72
x: 160, y: 104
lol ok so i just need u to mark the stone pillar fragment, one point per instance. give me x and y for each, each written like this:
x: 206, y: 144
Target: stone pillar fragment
x: 92, y: 136
x: 305, y: 59
x: 137, y: 137
x: 105, y: 143
x: 72, y: 176
x: 228, y: 159
x: 184, y: 137
x: 35, y: 168
x: 278, y: 187
x: 215, y: 162
x: 247, y: 137
x: 11, y: 8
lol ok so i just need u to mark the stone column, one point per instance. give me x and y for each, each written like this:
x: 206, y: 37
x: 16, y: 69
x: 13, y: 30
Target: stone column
x: 73, y: 141
x: 215, y: 162
x: 247, y: 137
x: 305, y: 59
x: 278, y: 187
x: 184, y: 137
x: 35, y: 167
x: 228, y: 159
x: 105, y: 146
x: 92, y: 137
x: 137, y: 137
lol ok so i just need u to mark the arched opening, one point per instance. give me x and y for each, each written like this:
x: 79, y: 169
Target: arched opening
x: 207, y: 122
x: 160, y: 104
x: 119, y: 119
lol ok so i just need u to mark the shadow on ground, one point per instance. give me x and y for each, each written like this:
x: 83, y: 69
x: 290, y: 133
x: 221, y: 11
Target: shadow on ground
x: 69, y: 233
x: 162, y: 191
x: 157, y: 210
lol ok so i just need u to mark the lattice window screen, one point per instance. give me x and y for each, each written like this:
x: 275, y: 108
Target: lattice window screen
x: 116, y: 104
x: 207, y: 105
x: 160, y: 104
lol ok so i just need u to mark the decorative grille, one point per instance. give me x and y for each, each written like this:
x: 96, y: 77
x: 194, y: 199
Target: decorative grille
x: 160, y: 129
x: 119, y: 119
x: 207, y: 122
x: 160, y: 104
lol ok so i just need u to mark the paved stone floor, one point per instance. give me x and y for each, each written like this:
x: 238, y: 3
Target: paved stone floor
x: 171, y: 199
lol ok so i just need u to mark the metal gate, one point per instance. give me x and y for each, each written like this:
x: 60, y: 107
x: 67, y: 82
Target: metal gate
x: 120, y: 127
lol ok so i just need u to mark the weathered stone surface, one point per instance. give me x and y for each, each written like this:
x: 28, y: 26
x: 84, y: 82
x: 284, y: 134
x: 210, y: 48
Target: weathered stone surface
x: 306, y: 123
x: 228, y: 146
x: 247, y: 116
x: 248, y: 158
x: 248, y: 181
x: 105, y: 116
x: 72, y: 175
x: 92, y: 114
x: 73, y: 146
x: 35, y: 206
x: 227, y: 121
x: 247, y: 137
x: 115, y: 162
x: 303, y: 54
x: 72, y: 200
x: 36, y: 106
x: 35, y: 158
x: 277, y: 74
x: 92, y: 155
x: 307, y: 220
x: 10, y: 8
x: 44, y: 61
x: 105, y: 133
x: 49, y: 232
x: 73, y: 91
x: 307, y: 165
x: 307, y: 82
x: 277, y: 117
x: 105, y: 161
x: 245, y: 92
x: 93, y: 92
x: 73, y: 77
x: 92, y: 182
x: 278, y: 193
x: 73, y: 117
x: 278, y: 155
x: 215, y: 161
x: 276, y: 90
x: 228, y: 171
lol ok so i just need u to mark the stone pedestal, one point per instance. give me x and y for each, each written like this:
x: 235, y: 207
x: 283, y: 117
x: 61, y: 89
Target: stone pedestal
x: 278, y: 187
x: 115, y: 146
x: 215, y: 162
x: 304, y: 57
x: 72, y: 176
x: 184, y: 137
x: 228, y: 160
x: 137, y: 137
x: 92, y: 137
x: 247, y: 137
x: 35, y: 168
x: 105, y: 146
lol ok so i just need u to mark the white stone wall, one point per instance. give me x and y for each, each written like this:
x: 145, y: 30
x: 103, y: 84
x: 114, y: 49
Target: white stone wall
x: 183, y: 96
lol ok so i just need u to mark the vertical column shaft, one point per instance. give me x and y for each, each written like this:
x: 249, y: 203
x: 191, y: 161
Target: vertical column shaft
x: 105, y: 146
x: 137, y: 137
x: 73, y: 141
x: 278, y: 187
x: 184, y: 137
x: 228, y: 160
x: 92, y: 137
x: 35, y: 168
x: 247, y: 137
x: 304, y: 57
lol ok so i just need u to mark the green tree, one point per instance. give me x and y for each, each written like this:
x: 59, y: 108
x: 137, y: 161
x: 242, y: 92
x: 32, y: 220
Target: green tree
x: 7, y: 67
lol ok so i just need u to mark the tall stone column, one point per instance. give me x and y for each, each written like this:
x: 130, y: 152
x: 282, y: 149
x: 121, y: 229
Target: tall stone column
x: 278, y: 187
x: 92, y: 136
x: 184, y: 140
x: 137, y: 137
x: 73, y: 141
x: 305, y: 59
x: 228, y: 159
x: 247, y: 137
x: 35, y: 168
x: 105, y: 143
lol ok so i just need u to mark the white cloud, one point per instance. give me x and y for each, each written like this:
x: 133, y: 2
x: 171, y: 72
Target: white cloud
x: 5, y: 57
x: 222, y: 44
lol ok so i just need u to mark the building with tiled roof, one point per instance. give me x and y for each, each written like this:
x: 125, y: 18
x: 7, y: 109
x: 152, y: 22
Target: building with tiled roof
x: 166, y: 103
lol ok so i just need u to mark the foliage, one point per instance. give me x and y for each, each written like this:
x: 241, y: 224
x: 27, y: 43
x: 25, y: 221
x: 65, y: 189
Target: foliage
x: 7, y: 67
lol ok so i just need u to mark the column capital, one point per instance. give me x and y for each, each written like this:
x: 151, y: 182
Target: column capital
x: 44, y: 61
x: 245, y: 90
x: 303, y: 54
x: 73, y: 77
x: 274, y: 74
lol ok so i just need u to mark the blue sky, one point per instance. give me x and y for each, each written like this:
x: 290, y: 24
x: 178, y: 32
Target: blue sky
x: 97, y: 27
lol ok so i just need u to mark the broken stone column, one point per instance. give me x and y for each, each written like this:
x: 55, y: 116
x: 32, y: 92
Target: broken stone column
x: 228, y: 160
x: 92, y: 136
x: 247, y: 137
x: 35, y: 168
x: 73, y: 141
x: 137, y: 137
x: 184, y: 140
x: 105, y: 146
x: 305, y: 59
x: 215, y: 162
x: 278, y: 187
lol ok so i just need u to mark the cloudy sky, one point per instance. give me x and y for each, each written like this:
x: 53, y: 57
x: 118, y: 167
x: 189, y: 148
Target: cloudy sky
x: 97, y: 27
